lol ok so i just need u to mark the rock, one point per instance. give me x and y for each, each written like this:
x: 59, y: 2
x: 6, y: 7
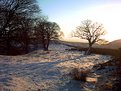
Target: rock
x: 91, y: 79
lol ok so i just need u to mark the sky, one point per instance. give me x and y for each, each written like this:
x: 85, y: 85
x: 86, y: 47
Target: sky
x: 68, y: 14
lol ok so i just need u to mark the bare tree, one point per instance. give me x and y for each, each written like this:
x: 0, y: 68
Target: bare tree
x: 89, y: 31
x: 46, y: 31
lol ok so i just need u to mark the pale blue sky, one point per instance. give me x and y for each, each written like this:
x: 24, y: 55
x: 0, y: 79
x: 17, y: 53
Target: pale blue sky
x: 69, y: 14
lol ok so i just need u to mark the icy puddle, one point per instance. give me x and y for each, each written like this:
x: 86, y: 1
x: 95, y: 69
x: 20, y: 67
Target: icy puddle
x: 45, y: 71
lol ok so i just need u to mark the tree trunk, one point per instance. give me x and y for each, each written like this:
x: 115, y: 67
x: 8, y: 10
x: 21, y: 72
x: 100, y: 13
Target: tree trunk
x: 45, y: 47
x: 8, y: 46
x: 8, y: 43
x: 44, y: 44
x: 26, y: 44
x: 48, y: 42
x: 88, y: 52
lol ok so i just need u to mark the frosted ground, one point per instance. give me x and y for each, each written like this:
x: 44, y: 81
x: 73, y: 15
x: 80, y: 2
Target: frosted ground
x: 45, y: 71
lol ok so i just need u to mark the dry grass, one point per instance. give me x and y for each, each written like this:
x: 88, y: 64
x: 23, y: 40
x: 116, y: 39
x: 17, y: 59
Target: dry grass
x: 38, y: 71
x: 79, y: 75
x: 108, y: 49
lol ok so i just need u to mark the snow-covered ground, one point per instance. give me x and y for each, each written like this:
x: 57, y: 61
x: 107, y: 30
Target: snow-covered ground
x: 45, y: 70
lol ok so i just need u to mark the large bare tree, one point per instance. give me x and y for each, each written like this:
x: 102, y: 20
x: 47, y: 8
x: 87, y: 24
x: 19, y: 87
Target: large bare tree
x: 46, y: 31
x: 89, y: 31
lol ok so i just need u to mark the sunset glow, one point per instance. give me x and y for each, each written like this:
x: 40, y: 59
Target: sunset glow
x: 69, y: 14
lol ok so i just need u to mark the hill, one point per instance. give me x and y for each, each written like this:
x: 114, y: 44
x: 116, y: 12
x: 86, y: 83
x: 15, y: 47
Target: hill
x: 116, y: 44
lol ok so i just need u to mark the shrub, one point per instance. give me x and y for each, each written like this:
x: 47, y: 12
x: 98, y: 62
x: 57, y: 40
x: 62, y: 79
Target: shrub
x: 79, y: 75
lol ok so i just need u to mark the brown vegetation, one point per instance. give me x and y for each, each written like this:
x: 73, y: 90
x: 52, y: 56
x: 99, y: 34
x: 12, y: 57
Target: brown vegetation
x: 79, y: 74
x: 97, y: 49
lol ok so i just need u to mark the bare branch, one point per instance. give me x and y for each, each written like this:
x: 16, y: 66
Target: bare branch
x: 90, y: 31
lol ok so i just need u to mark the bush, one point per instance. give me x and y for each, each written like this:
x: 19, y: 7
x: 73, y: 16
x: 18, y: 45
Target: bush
x: 79, y: 75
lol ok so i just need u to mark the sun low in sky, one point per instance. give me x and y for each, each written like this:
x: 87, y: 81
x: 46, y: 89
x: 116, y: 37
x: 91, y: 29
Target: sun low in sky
x: 68, y: 14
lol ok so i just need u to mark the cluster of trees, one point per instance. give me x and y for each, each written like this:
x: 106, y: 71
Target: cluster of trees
x: 20, y: 26
x: 46, y: 31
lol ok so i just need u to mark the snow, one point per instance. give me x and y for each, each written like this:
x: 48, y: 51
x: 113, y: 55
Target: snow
x: 45, y: 70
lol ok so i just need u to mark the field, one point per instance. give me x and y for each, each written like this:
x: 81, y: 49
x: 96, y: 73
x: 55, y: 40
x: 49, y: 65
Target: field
x: 45, y: 70
x: 112, y: 48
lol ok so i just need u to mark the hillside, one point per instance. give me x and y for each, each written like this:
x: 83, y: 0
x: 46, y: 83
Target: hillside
x: 45, y: 70
x: 111, y: 45
x: 114, y: 44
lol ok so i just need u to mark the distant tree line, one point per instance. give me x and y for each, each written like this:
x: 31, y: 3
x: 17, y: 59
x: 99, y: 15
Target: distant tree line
x: 21, y: 27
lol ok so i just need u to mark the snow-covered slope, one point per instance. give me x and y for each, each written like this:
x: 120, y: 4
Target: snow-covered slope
x: 44, y: 70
